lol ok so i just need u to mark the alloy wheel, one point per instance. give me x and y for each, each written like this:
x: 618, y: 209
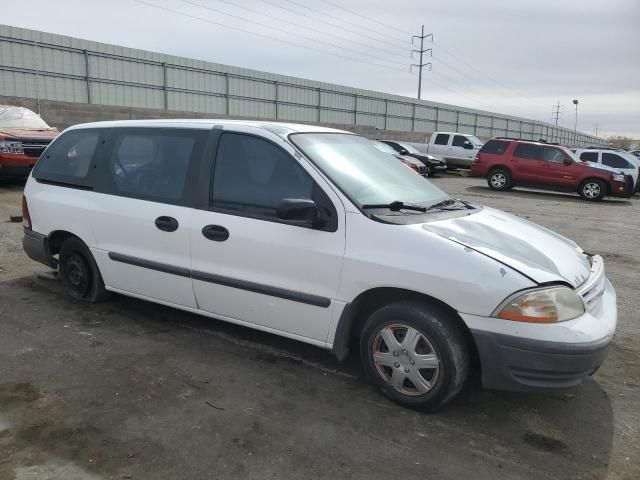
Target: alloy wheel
x: 591, y: 190
x: 498, y: 180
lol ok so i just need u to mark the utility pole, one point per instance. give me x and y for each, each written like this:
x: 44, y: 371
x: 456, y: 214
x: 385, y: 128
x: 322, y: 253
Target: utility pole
x: 557, y: 109
x: 597, y: 126
x: 422, y: 51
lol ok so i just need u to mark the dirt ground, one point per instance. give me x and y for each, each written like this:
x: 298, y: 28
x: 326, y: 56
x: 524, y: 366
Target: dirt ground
x: 128, y: 389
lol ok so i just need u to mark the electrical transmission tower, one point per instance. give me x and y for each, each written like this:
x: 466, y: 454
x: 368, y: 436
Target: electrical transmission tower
x: 557, y: 110
x: 422, y: 51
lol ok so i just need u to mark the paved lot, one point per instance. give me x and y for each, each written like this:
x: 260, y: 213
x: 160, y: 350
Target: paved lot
x: 128, y: 389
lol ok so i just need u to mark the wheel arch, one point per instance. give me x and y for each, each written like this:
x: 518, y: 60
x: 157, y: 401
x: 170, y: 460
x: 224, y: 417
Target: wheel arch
x: 499, y: 166
x: 355, y: 314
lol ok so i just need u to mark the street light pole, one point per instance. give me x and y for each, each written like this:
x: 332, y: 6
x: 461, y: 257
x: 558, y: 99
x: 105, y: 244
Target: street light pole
x: 575, y: 128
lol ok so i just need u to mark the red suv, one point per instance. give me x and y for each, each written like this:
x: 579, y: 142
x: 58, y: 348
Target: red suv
x: 23, y: 137
x: 507, y: 163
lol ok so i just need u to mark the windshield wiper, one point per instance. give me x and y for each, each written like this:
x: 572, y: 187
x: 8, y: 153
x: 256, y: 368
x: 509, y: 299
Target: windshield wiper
x: 396, y: 206
x: 444, y: 203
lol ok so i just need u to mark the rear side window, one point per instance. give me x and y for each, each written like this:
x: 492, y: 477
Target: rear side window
x: 552, y: 155
x: 615, y: 161
x: 459, y: 141
x: 253, y: 176
x: 69, y: 158
x: 152, y: 163
x: 589, y: 157
x: 528, y: 151
x: 494, y: 147
x: 442, y: 139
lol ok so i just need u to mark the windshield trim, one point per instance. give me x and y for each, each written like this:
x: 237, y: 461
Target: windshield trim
x: 337, y: 186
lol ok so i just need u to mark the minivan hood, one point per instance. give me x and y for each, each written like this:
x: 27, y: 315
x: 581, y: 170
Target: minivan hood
x: 540, y: 254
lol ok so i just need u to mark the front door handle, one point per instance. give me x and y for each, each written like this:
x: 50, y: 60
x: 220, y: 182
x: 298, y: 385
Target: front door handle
x: 216, y: 233
x: 167, y: 224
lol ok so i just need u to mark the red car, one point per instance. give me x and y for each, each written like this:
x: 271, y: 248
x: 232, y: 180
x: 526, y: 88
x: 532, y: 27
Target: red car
x: 23, y: 137
x: 507, y: 163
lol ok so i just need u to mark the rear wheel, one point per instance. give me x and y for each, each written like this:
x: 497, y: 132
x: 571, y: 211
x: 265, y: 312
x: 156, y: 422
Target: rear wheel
x: 593, y: 190
x: 499, y: 179
x: 79, y: 272
x: 415, y: 354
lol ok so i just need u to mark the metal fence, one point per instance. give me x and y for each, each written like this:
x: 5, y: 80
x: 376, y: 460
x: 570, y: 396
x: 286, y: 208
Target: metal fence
x: 36, y: 64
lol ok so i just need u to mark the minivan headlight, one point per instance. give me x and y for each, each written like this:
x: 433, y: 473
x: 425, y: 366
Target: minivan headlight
x: 542, y: 305
x: 618, y: 177
x: 11, y: 147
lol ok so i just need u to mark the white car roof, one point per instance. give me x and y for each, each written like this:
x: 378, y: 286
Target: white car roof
x: 280, y: 128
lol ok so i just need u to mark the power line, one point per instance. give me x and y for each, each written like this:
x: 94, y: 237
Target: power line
x: 357, y: 14
x: 469, y: 65
x: 195, y: 17
x: 288, y: 32
x: 305, y: 27
x: 422, y: 51
x: 397, y: 43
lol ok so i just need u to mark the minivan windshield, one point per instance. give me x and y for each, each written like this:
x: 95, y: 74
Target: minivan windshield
x: 363, y: 172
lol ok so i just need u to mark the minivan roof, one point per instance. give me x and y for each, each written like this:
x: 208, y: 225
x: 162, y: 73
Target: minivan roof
x: 279, y: 128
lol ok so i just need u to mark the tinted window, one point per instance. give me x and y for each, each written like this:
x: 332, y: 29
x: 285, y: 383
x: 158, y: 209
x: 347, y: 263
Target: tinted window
x: 459, y: 141
x: 526, y: 150
x: 494, y: 147
x: 151, y: 164
x: 442, y: 139
x: 253, y: 176
x: 552, y: 155
x: 615, y: 161
x: 589, y: 157
x: 69, y: 156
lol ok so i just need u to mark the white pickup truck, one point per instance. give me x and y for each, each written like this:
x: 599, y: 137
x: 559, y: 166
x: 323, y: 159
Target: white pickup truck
x: 459, y: 149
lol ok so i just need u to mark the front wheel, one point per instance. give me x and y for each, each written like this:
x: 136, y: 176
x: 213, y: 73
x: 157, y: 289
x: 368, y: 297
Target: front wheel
x: 593, y: 190
x: 415, y: 354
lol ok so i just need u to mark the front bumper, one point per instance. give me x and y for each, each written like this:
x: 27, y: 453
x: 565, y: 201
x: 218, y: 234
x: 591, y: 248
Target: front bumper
x: 520, y: 356
x: 15, y: 170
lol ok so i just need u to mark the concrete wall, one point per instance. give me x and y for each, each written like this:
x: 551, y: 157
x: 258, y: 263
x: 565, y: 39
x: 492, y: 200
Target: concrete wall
x: 64, y: 114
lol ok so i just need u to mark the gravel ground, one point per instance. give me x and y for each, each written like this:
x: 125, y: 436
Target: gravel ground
x: 128, y: 389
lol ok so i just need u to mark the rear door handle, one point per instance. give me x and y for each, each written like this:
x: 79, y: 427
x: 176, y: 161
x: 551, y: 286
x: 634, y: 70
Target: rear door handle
x: 217, y: 233
x: 167, y: 224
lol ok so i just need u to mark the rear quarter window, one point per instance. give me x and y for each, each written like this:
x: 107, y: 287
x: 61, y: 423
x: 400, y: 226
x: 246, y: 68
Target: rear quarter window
x: 69, y: 158
x: 494, y: 147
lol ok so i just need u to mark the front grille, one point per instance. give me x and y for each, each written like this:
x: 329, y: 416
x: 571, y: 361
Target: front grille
x: 593, y: 287
x: 34, y: 149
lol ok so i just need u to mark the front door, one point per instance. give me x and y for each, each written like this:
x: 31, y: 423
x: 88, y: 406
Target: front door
x: 555, y: 171
x: 141, y: 217
x: 249, y: 265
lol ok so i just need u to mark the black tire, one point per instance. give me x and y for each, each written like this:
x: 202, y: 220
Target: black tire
x: 79, y: 272
x: 444, y: 338
x: 499, y: 179
x: 593, y: 190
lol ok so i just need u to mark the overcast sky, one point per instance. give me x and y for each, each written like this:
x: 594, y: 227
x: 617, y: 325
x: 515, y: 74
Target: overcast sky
x: 517, y: 57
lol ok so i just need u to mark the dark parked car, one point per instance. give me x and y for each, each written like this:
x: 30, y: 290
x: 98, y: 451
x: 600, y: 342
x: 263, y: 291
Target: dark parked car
x: 434, y: 163
x: 509, y: 162
x: 415, y: 165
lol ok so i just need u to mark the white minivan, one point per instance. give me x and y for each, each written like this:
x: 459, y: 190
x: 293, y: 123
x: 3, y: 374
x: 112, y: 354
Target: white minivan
x: 313, y: 234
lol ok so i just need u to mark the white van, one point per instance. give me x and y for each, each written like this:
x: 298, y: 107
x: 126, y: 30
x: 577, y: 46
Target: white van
x: 625, y: 162
x: 313, y: 234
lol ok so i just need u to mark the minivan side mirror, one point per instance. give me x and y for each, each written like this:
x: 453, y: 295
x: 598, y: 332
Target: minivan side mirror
x: 300, y: 211
x: 467, y: 145
x: 567, y: 161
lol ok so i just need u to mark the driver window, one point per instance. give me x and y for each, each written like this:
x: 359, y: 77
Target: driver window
x: 253, y: 176
x: 552, y: 155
